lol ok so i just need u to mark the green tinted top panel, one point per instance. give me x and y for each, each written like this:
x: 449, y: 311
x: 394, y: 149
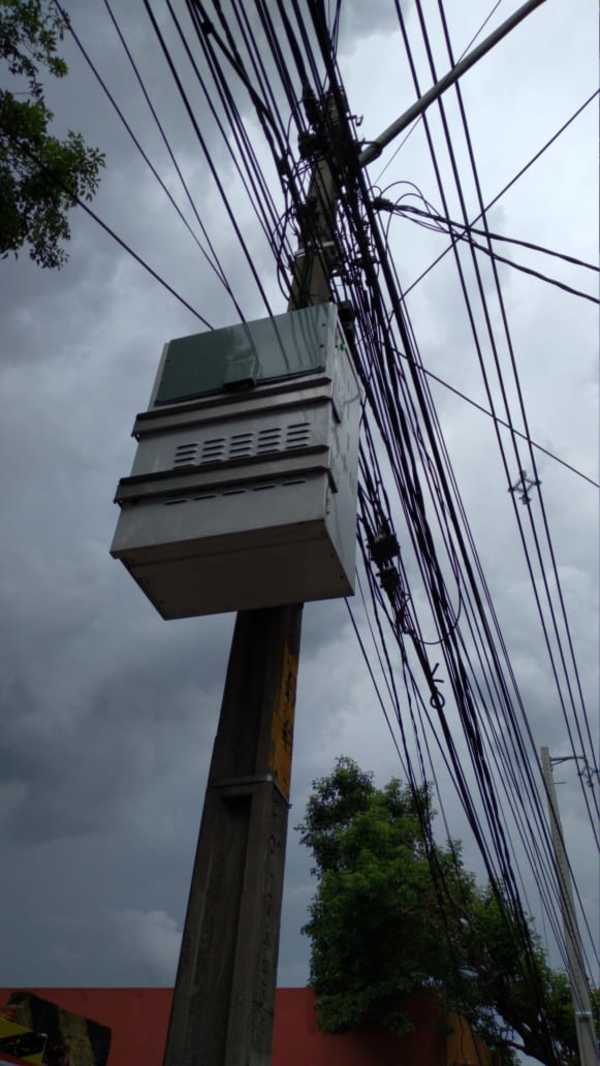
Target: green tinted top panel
x: 269, y: 349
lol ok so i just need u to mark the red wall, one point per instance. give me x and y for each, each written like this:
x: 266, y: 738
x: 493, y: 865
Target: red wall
x: 138, y: 1018
x: 298, y: 1041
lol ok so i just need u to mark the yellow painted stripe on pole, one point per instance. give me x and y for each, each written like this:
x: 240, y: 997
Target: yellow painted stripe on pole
x: 282, y: 730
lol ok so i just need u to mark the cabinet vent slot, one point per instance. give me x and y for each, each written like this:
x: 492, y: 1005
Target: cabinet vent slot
x: 185, y: 454
x: 243, y: 445
x: 240, y: 445
x: 269, y: 440
x: 297, y: 435
x: 213, y: 450
x: 237, y: 491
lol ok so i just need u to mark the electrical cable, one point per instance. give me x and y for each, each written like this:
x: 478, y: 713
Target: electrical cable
x: 466, y: 236
x: 142, y: 262
x: 249, y: 258
x: 505, y: 189
x: 254, y: 183
x: 375, y: 686
x: 493, y: 345
x: 386, y: 392
x: 129, y: 129
x: 556, y: 576
x: 111, y: 232
x: 500, y: 237
x: 501, y: 422
x: 215, y: 259
x: 380, y: 206
x: 419, y: 119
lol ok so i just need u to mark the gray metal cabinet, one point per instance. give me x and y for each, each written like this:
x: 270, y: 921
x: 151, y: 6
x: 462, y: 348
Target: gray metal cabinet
x: 243, y: 488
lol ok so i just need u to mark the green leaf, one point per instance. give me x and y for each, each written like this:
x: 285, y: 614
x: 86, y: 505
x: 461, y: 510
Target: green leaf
x: 41, y: 177
x: 395, y: 913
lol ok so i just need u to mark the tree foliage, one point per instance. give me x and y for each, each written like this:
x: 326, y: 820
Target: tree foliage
x: 395, y: 913
x: 41, y: 176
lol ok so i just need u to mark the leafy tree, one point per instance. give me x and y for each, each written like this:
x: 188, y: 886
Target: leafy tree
x: 41, y: 177
x: 395, y: 913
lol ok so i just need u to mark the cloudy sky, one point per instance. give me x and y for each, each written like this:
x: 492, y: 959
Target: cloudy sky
x: 109, y: 713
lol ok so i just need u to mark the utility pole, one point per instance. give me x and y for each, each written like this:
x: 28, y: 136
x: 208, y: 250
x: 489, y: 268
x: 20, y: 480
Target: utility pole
x: 584, y: 1021
x: 224, y: 998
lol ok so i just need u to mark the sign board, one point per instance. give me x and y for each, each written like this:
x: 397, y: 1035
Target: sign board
x: 70, y: 1039
x: 20, y: 1042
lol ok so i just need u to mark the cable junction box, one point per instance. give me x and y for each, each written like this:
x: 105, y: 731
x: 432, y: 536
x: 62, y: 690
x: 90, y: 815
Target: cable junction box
x: 243, y: 489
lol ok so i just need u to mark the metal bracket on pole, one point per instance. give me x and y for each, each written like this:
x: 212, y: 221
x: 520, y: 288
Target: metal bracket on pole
x: 375, y: 148
x: 242, y: 786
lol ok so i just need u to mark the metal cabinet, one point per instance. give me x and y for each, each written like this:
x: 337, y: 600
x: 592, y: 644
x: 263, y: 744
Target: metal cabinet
x: 243, y: 488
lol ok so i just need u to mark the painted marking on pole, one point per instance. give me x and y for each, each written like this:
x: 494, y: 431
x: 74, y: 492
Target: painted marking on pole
x: 282, y: 730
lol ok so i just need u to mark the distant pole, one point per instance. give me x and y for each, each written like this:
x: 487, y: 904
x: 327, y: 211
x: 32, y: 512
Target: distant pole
x: 224, y: 998
x: 584, y: 1021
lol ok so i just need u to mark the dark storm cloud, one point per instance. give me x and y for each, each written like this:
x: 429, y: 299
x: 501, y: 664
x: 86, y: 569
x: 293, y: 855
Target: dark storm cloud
x: 108, y: 714
x: 87, y: 748
x: 360, y: 21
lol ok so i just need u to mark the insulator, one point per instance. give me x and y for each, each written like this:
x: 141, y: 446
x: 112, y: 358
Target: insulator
x: 384, y: 548
x: 309, y: 144
x: 312, y: 107
x: 390, y: 581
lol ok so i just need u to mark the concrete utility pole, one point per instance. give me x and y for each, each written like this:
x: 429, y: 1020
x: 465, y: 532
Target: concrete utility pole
x: 223, y: 1004
x: 584, y: 1021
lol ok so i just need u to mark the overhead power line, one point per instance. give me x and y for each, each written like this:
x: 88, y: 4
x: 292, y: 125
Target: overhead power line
x: 563, y: 664
x: 505, y: 189
x: 466, y: 236
x: 417, y: 363
x: 367, y: 661
x: 420, y: 118
x: 203, y: 143
x: 128, y: 127
x: 529, y: 270
x: 142, y: 262
x: 488, y: 233
x: 523, y: 436
x: 112, y: 233
x: 374, y: 148
x: 216, y: 266
x: 406, y: 474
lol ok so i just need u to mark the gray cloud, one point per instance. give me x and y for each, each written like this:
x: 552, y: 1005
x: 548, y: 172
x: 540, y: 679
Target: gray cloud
x: 108, y: 714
